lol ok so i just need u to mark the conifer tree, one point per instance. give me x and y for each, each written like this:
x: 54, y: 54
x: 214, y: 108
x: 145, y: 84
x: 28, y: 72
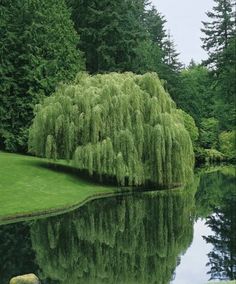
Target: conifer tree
x: 218, y: 30
x: 226, y: 88
x: 38, y: 49
x: 171, y: 67
x: 150, y: 53
x: 110, y: 32
x: 155, y: 25
x: 171, y: 55
x: 125, y: 35
x: 219, y: 42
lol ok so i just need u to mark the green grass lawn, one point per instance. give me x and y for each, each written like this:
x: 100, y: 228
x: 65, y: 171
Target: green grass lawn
x: 28, y: 185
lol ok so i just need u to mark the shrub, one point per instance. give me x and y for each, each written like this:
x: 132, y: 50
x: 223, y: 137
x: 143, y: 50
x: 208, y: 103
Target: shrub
x: 227, y: 141
x: 213, y: 155
x: 209, y: 132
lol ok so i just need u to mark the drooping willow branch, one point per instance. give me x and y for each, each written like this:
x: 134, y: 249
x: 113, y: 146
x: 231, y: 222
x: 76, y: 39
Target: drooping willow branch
x: 119, y: 125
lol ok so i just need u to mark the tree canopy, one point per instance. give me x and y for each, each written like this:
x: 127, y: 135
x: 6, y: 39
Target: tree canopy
x: 218, y: 30
x: 110, y: 32
x: 38, y: 49
x: 219, y: 42
x: 118, y: 125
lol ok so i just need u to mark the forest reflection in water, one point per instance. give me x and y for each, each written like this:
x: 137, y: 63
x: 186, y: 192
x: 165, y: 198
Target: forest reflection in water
x: 216, y: 201
x: 137, y: 238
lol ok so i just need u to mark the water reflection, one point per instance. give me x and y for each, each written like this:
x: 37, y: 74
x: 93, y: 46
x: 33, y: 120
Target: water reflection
x: 16, y: 254
x: 222, y: 259
x: 127, y: 239
x: 135, y: 239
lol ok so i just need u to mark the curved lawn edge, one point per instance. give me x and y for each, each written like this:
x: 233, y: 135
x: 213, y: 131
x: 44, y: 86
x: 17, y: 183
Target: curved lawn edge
x: 30, y: 188
x: 39, y: 214
x: 20, y: 217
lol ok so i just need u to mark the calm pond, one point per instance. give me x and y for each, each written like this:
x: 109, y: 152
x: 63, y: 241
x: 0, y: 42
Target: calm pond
x: 176, y: 236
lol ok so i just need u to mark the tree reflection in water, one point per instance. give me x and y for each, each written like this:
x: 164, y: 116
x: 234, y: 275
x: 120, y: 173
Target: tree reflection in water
x: 221, y: 195
x: 222, y: 259
x: 130, y: 239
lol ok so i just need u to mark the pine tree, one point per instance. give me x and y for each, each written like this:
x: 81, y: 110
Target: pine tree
x: 171, y: 58
x: 110, y: 32
x: 219, y: 30
x: 171, y: 67
x: 155, y: 25
x: 150, y: 53
x: 38, y: 49
x: 219, y: 42
x: 226, y: 88
x: 148, y: 58
x: 163, y: 57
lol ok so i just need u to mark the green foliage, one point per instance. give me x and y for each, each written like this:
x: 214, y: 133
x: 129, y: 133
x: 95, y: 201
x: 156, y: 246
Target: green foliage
x: 148, y: 58
x: 226, y: 88
x: 209, y: 156
x: 129, y: 239
x: 206, y: 97
x: 125, y: 35
x: 209, y: 132
x: 195, y: 94
x: 110, y: 32
x: 219, y: 30
x: 228, y: 143
x: 116, y: 125
x: 219, y: 42
x: 171, y: 55
x: 212, y: 155
x: 215, y: 184
x: 155, y: 24
x: 217, y: 194
x: 222, y: 257
x: 38, y: 49
x: 190, y: 125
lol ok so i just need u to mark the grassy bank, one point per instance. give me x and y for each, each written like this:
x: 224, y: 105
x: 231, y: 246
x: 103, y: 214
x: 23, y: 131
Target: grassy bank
x: 29, y: 186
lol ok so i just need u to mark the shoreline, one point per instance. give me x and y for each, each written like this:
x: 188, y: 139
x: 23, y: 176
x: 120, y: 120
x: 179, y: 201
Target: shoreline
x: 20, y: 217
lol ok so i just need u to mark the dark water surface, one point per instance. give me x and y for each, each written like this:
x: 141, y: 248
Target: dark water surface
x: 175, y: 236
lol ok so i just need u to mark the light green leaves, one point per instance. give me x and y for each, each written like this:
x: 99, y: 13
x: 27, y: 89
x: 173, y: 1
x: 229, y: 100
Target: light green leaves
x: 121, y: 126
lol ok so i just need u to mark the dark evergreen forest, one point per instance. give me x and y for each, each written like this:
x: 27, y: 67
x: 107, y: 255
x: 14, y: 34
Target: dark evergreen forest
x: 44, y: 43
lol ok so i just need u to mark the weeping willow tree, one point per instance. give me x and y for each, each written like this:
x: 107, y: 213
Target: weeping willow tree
x: 123, y: 126
x: 123, y: 240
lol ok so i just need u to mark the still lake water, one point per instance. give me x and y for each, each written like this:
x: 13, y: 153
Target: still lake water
x: 176, y: 236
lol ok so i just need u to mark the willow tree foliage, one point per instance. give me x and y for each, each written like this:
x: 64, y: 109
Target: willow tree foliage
x: 117, y: 125
x: 135, y: 239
